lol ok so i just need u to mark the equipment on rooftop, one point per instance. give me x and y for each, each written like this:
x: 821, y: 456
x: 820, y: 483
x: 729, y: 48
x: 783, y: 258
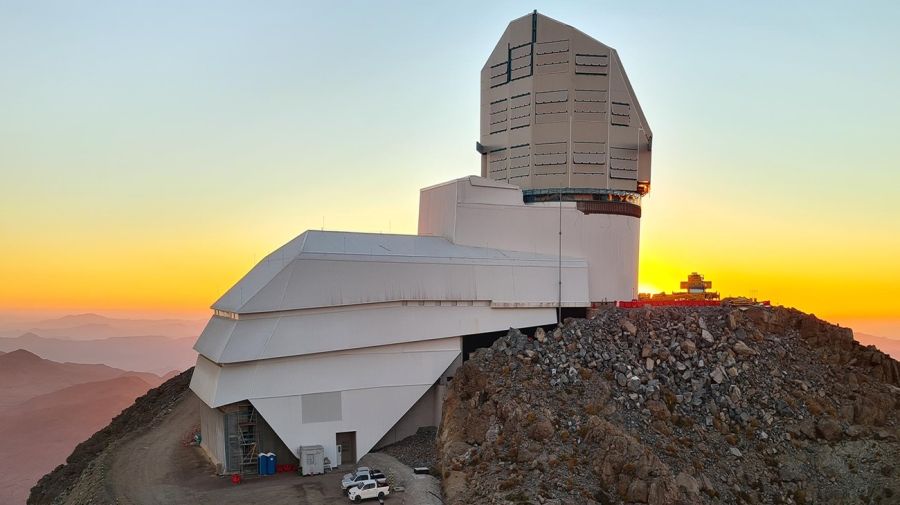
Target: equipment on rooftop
x: 695, y: 296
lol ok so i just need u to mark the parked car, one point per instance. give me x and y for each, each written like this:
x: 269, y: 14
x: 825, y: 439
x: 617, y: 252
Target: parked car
x: 368, y: 489
x: 378, y: 476
x: 351, y: 480
x: 362, y: 473
x: 359, y: 470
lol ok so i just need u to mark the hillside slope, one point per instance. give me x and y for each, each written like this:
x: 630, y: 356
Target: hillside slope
x: 674, y: 405
x: 143, y: 413
x: 46, y: 428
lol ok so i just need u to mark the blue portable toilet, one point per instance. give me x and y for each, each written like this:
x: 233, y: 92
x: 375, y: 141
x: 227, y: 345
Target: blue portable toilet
x: 270, y: 464
x: 261, y: 465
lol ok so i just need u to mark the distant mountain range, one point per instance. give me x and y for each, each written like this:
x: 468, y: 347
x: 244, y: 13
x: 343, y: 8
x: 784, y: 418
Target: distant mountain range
x: 154, y: 354
x: 95, y: 326
x: 24, y: 375
x: 47, y: 408
x: 886, y: 345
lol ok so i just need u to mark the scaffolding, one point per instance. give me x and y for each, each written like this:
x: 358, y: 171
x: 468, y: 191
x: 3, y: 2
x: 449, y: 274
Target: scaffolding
x: 241, y: 432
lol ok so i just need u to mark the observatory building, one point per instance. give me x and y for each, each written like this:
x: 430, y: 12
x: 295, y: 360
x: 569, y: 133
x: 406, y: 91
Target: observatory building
x: 348, y: 340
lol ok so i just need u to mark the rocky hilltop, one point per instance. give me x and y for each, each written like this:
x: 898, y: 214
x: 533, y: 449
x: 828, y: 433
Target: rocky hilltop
x: 674, y: 405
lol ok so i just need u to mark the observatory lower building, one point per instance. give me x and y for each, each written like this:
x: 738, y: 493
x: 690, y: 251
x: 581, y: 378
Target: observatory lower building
x: 348, y: 340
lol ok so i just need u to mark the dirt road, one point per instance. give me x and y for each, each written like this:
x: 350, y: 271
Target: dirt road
x: 156, y: 469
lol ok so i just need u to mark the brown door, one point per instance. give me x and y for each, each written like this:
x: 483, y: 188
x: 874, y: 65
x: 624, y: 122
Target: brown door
x: 347, y: 441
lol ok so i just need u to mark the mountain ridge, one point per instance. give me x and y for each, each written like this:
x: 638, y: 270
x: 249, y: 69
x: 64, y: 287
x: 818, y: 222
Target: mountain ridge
x: 152, y: 353
x: 24, y: 375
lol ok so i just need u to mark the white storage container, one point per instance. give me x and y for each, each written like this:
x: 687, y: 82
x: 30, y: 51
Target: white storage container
x: 312, y: 459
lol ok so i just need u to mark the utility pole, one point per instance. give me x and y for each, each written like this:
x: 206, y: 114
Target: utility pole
x: 559, y: 266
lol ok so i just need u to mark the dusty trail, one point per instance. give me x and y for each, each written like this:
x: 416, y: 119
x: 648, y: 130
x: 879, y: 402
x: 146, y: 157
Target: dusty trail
x: 154, y: 468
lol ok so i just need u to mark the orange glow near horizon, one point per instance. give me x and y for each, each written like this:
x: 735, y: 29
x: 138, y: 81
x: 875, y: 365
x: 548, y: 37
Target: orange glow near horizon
x: 175, y: 262
x: 154, y: 273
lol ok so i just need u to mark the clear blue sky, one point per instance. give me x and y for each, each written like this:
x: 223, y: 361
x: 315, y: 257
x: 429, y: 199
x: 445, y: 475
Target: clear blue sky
x: 128, y: 129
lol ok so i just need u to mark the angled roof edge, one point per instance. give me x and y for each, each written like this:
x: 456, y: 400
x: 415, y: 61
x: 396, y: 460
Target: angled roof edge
x: 370, y: 247
x: 634, y: 99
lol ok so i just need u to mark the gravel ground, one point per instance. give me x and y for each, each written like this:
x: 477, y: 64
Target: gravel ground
x: 415, y: 450
x: 419, y: 489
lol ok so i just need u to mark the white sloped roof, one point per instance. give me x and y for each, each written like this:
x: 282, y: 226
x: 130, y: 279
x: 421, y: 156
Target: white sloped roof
x: 328, y: 269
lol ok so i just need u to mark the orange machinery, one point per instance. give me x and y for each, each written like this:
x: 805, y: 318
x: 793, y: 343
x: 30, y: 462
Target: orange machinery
x: 696, y: 294
x: 696, y: 290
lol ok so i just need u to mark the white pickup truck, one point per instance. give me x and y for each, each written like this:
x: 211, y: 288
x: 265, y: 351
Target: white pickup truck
x: 368, y: 489
x: 362, y: 474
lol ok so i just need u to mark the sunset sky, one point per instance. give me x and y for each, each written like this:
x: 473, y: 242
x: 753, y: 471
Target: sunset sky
x: 151, y: 153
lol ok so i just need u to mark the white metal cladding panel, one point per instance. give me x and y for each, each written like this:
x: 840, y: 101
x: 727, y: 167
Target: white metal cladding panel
x: 437, y: 210
x: 351, y: 268
x: 363, y: 326
x: 549, y: 29
x: 520, y: 101
x: 590, y: 107
x: 598, y: 80
x: 212, y: 434
x: 520, y: 51
x: 590, y: 95
x: 559, y: 46
x: 551, y: 68
x: 321, y: 407
x: 425, y: 412
x: 551, y: 96
x: 214, y: 337
x: 260, y: 275
x: 244, y: 339
x: 395, y: 365
x: 551, y: 59
x: 369, y: 412
x: 324, y: 283
x: 205, y: 380
x: 309, y: 332
x: 608, y: 243
x: 551, y: 108
x: 593, y: 60
x: 474, y: 189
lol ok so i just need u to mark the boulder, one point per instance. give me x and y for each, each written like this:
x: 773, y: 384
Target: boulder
x: 687, y: 483
x: 637, y: 491
x: 628, y: 326
x: 829, y: 428
x: 742, y: 349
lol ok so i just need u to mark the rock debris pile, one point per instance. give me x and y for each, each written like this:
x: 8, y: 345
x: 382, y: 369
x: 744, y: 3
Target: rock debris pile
x: 674, y: 405
x: 416, y: 450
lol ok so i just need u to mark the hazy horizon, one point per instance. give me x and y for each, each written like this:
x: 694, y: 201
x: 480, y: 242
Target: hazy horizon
x: 886, y: 328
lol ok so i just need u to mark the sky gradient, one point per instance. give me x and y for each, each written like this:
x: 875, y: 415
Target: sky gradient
x: 150, y: 154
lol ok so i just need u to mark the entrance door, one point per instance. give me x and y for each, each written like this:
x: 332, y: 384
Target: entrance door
x: 347, y: 441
